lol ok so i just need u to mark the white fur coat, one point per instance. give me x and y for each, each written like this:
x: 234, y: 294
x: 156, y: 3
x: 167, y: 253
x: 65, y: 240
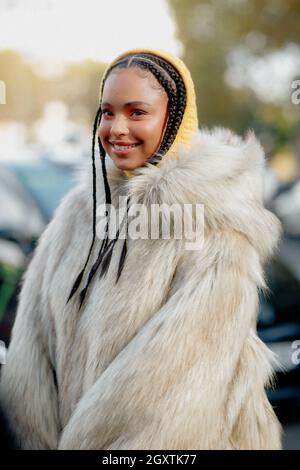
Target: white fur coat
x: 167, y: 358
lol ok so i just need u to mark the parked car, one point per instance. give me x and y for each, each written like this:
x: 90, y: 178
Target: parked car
x: 29, y: 193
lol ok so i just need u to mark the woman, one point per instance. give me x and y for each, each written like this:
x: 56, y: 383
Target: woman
x: 133, y: 342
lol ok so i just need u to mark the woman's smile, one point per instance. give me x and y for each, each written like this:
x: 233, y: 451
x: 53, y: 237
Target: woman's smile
x: 123, y: 149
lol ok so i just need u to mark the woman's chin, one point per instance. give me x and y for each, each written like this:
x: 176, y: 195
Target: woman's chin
x: 125, y: 164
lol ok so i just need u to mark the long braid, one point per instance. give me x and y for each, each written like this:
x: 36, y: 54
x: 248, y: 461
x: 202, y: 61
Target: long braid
x: 106, y: 249
x: 171, y: 81
x: 172, y: 130
x: 80, y: 275
x: 105, y: 245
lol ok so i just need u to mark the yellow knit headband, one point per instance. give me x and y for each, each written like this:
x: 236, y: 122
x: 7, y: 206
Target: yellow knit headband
x: 189, y: 123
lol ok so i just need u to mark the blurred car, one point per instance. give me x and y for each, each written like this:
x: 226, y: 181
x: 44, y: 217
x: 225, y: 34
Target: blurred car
x: 279, y: 322
x: 29, y: 193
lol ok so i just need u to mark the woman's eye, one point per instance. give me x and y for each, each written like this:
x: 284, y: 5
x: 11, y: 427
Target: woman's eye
x: 138, y: 112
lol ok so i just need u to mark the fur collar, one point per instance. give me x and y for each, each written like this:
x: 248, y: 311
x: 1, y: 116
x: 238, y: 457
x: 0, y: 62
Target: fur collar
x: 222, y: 171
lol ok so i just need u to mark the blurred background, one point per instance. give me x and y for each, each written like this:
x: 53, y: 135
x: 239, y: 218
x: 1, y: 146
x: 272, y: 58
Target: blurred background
x: 244, y: 56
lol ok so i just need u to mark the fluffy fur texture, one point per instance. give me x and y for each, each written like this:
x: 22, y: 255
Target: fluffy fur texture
x: 167, y: 358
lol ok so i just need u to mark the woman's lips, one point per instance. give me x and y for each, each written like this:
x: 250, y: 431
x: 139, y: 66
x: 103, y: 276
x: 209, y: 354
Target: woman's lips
x: 122, y: 152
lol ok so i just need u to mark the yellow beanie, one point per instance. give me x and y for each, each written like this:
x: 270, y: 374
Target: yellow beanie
x: 189, y: 123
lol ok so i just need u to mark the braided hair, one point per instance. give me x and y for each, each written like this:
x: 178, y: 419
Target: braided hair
x: 169, y: 80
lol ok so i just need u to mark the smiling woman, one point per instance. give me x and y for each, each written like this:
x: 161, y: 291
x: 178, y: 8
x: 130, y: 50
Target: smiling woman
x: 159, y: 351
x: 134, y: 117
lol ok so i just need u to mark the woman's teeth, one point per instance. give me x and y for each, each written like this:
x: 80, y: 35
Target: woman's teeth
x: 124, y: 147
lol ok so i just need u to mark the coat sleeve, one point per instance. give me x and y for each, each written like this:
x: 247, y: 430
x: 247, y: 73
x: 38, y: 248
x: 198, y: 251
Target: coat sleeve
x: 171, y: 386
x: 28, y: 389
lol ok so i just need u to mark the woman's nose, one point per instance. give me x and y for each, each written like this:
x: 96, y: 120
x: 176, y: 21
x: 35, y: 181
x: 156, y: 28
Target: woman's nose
x: 119, y: 126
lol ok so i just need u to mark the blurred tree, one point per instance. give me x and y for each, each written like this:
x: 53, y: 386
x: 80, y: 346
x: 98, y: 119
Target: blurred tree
x: 210, y: 31
x: 78, y: 88
x: 26, y: 92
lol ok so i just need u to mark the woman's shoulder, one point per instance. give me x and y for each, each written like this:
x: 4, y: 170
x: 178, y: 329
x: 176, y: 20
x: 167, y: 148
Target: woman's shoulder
x: 77, y: 204
x: 73, y: 213
x: 216, y: 158
x: 74, y: 205
x: 224, y: 173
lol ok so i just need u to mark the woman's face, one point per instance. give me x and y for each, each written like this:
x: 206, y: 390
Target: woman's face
x: 134, y: 117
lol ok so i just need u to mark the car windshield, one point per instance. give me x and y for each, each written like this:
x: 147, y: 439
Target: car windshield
x: 47, y: 182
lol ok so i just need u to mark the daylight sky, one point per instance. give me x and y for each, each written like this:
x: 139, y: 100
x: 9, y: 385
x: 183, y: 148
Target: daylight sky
x: 60, y: 31
x: 51, y: 33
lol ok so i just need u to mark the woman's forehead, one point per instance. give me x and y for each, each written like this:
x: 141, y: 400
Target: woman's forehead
x: 132, y: 85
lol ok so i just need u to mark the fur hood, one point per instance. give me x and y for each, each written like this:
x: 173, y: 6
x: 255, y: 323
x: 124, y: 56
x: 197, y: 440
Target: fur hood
x: 167, y: 358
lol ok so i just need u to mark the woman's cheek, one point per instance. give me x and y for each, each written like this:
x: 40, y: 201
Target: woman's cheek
x: 103, y: 133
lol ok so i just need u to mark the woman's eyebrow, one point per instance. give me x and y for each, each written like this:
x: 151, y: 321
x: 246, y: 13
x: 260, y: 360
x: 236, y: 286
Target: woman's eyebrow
x: 130, y: 103
x: 137, y: 103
